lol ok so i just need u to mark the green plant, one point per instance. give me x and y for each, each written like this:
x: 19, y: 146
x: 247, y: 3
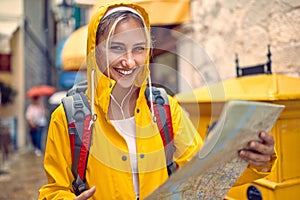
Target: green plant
x: 7, y: 93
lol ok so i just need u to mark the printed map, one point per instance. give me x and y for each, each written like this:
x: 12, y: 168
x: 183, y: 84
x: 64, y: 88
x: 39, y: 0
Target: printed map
x: 216, y: 167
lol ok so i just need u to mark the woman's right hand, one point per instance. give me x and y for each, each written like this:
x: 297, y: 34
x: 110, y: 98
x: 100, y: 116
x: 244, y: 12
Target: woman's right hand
x: 86, y: 194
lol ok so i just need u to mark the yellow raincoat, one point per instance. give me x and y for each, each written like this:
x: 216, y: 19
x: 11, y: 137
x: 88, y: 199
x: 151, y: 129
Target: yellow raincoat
x: 108, y: 164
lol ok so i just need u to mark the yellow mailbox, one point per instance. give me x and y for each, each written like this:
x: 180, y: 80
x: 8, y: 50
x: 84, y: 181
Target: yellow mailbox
x: 204, y: 106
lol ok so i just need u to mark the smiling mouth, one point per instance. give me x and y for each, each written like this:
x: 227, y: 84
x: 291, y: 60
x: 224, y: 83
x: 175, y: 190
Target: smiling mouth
x: 125, y: 72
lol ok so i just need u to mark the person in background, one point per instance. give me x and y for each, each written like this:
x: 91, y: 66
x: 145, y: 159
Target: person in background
x: 126, y: 159
x: 36, y: 118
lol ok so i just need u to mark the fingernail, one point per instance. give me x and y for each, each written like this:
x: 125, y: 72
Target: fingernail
x: 251, y: 144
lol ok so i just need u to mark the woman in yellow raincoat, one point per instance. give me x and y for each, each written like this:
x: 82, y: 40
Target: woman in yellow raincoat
x: 126, y: 158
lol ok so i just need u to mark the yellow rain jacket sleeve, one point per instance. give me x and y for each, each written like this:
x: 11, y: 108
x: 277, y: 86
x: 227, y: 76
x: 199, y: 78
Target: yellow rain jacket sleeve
x: 58, y: 160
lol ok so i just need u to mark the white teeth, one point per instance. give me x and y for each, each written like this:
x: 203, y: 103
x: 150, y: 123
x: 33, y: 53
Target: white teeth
x: 124, y: 72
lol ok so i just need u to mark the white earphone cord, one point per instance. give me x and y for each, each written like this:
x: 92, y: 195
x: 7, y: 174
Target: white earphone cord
x: 92, y: 99
x: 122, y: 102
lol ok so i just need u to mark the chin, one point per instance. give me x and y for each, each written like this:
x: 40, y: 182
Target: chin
x: 128, y: 81
x: 125, y: 83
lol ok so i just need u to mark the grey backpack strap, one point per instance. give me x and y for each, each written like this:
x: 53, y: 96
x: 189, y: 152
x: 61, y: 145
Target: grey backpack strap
x: 164, y: 123
x: 78, y: 88
x: 78, y: 115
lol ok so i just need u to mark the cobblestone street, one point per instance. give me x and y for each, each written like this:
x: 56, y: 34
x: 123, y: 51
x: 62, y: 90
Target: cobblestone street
x: 22, y: 176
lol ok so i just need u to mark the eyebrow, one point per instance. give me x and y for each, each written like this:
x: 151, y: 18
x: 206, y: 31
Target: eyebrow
x: 140, y: 43
x: 120, y: 43
x: 117, y: 43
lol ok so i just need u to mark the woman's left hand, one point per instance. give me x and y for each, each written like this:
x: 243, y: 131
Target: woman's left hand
x: 259, y: 153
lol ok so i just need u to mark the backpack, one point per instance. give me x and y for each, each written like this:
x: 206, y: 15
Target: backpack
x: 78, y: 113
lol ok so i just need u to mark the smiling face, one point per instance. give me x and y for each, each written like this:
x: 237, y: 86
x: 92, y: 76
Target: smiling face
x: 124, y: 54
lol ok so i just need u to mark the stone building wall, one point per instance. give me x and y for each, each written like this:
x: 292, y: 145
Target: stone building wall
x: 246, y: 27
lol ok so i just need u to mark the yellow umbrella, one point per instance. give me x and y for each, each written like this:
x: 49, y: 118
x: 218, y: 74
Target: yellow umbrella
x: 74, y: 50
x: 257, y: 88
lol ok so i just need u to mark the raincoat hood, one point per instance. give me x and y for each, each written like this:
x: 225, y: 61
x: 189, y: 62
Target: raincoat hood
x: 96, y: 79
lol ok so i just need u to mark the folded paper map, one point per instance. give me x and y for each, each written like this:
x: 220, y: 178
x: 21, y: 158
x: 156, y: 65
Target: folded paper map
x: 216, y: 167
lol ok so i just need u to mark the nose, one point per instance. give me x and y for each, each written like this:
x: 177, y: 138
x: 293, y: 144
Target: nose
x: 128, y: 60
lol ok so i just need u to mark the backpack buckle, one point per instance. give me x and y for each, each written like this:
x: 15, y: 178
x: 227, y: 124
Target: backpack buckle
x: 79, y: 186
x: 172, y: 168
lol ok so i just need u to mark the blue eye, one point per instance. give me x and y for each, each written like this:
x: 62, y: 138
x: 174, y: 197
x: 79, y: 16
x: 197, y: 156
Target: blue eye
x: 139, y: 49
x: 117, y: 48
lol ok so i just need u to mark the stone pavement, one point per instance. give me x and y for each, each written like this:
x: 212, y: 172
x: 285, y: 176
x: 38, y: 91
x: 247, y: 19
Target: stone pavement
x: 22, y: 176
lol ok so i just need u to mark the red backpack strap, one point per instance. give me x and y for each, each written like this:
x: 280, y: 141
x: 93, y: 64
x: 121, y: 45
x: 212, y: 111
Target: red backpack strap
x: 78, y: 115
x: 164, y: 122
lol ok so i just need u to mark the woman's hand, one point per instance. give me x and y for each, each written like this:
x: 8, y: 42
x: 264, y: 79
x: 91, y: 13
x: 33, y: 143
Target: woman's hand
x: 259, y: 153
x: 86, y: 194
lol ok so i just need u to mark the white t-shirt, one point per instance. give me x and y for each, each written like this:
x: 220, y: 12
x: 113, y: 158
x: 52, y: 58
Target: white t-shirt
x: 126, y: 127
x: 36, y: 113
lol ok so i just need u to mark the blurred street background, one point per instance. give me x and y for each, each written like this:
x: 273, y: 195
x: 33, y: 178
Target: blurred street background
x: 22, y: 176
x: 205, y: 52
